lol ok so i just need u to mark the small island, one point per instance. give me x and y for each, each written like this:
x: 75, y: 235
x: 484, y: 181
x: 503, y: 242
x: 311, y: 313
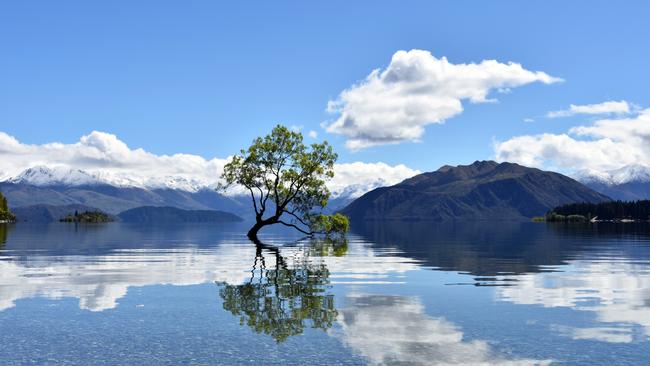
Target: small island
x: 5, y: 214
x: 88, y: 217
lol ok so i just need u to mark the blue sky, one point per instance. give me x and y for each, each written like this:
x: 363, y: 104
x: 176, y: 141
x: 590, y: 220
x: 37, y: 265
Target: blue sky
x: 206, y: 77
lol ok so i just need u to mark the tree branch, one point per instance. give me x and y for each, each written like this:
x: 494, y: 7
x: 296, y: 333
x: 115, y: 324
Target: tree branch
x: 296, y: 227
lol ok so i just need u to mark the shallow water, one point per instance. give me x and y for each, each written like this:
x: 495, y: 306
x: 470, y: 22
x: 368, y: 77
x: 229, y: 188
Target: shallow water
x: 395, y: 293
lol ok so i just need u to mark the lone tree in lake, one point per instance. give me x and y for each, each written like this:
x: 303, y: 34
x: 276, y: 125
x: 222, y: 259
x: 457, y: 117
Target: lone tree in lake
x: 286, y: 182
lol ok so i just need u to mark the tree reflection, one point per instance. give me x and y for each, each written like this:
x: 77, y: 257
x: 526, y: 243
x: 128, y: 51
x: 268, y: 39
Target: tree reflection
x: 4, y: 229
x: 289, y: 296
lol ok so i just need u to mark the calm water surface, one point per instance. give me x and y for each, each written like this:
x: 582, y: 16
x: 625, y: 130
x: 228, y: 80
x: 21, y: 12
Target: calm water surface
x: 395, y: 293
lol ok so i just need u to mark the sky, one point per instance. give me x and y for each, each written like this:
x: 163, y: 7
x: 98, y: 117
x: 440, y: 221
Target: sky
x: 556, y: 84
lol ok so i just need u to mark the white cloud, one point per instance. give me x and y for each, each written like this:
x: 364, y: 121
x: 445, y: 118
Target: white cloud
x: 312, y: 134
x: 604, y: 145
x: 610, y: 107
x: 106, y: 158
x: 355, y: 179
x: 417, y: 89
x: 529, y: 120
x: 103, y: 154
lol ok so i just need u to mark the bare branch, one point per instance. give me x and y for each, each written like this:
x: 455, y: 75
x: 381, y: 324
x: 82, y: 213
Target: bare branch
x: 296, y: 227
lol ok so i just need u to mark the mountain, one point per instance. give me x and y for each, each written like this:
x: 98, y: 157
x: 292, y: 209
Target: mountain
x: 484, y: 190
x: 150, y: 214
x: 48, y: 213
x: 629, y: 183
x: 112, y: 199
x: 114, y: 193
x: 43, y: 176
x: 62, y: 186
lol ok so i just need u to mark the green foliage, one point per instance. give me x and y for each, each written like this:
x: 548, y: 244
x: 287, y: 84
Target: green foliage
x: 337, y: 224
x: 5, y: 213
x: 283, y: 177
x: 555, y: 217
x: 87, y: 217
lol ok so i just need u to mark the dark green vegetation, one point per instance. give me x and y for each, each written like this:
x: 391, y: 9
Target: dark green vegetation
x: 603, y: 211
x: 5, y: 214
x: 150, y: 214
x: 484, y: 190
x: 92, y: 217
x: 282, y: 301
x: 285, y: 178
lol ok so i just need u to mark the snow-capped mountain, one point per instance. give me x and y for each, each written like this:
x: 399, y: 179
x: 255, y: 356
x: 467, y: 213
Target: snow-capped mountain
x: 43, y: 176
x: 630, y: 182
x: 627, y: 174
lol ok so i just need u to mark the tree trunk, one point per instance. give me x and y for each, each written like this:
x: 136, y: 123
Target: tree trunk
x: 252, y: 233
x: 260, y: 223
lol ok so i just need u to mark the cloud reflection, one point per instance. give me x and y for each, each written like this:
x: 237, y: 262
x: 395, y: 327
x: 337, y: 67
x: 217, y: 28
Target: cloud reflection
x: 391, y: 330
x: 99, y: 281
x: 618, y: 292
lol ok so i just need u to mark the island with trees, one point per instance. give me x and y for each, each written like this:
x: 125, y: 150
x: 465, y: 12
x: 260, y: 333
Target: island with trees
x: 92, y: 217
x: 5, y: 213
x: 612, y: 211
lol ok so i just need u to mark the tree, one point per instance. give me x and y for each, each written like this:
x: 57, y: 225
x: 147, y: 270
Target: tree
x: 5, y: 213
x: 4, y: 206
x: 285, y: 178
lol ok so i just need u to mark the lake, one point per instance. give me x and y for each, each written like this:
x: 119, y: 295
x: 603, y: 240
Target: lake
x: 394, y: 293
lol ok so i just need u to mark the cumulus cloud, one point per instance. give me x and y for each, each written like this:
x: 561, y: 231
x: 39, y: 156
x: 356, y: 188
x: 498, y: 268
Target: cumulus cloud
x: 604, y: 145
x: 417, y: 89
x: 610, y: 107
x: 108, y: 159
x: 355, y: 179
x: 312, y: 134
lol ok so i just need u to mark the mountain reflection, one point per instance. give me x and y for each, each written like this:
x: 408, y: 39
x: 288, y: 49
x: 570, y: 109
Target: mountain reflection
x: 280, y: 298
x: 60, y: 261
x: 489, y: 249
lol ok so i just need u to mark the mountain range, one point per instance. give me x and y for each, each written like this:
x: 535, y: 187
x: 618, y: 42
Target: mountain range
x: 628, y: 183
x: 482, y: 190
x: 41, y: 192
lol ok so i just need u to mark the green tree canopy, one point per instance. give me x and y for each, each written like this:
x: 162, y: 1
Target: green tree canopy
x: 5, y: 213
x: 285, y: 179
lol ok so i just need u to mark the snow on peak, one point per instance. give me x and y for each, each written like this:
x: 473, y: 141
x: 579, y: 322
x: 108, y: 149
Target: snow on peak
x: 626, y: 174
x: 58, y: 175
x: 65, y: 176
